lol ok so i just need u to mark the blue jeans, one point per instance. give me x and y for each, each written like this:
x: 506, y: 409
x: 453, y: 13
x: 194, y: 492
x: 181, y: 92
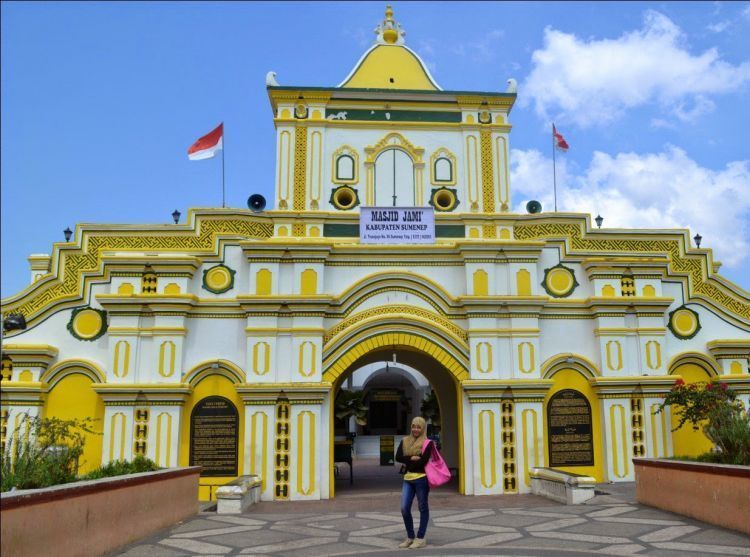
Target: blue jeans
x: 421, y: 489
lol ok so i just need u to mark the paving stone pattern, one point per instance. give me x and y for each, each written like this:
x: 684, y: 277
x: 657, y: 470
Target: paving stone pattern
x: 611, y: 523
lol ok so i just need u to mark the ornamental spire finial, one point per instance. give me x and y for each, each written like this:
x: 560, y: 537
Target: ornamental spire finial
x: 389, y: 31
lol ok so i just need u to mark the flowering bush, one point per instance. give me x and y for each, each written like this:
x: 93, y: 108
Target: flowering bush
x: 714, y: 408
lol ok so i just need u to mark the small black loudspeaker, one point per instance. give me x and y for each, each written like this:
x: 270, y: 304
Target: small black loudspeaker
x: 14, y: 322
x: 256, y: 203
x: 533, y: 207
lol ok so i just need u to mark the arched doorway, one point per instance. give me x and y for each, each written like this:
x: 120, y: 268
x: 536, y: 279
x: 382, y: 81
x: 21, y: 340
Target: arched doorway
x: 572, y: 398
x: 71, y: 396
x: 443, y: 364
x: 692, y: 369
x: 213, y: 412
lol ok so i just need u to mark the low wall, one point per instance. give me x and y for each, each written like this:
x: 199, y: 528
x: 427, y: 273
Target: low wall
x: 95, y: 517
x: 715, y: 493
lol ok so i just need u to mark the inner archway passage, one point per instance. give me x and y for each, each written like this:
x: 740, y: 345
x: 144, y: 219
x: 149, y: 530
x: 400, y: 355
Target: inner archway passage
x: 437, y: 355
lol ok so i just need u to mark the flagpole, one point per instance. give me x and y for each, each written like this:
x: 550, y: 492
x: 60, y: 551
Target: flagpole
x: 223, y: 188
x: 554, y: 167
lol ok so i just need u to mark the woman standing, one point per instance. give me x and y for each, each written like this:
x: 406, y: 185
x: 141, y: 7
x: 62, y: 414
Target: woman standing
x: 411, y: 455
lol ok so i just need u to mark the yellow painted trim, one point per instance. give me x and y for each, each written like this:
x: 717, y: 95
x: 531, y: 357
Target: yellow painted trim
x: 655, y: 362
x: 119, y: 416
x: 300, y: 448
x: 482, y: 438
x: 577, y: 362
x: 443, y: 153
x: 501, y: 154
x: 472, y: 172
x: 527, y: 464
x: 266, y: 358
x: 284, y: 135
x: 488, y: 359
x: 316, y: 157
x: 617, y: 449
x: 168, y: 372
x: 61, y: 369
x: 226, y: 368
x: 125, y: 359
x: 254, y: 447
x: 706, y: 362
x: 159, y: 434
x: 349, y: 151
x: 618, y: 365
x: 302, y: 360
x: 532, y: 364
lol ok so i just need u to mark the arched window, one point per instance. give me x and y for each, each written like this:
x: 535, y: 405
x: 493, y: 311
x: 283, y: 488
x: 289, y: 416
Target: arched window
x: 345, y: 168
x: 443, y: 170
x: 394, y: 179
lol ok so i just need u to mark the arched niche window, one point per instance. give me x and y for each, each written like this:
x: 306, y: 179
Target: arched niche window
x: 394, y: 179
x: 345, y: 166
x: 443, y: 168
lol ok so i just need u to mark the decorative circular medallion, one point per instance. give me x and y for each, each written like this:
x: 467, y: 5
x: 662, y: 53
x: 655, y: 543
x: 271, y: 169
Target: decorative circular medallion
x: 444, y: 199
x: 87, y: 323
x: 559, y: 281
x: 684, y: 323
x: 218, y: 279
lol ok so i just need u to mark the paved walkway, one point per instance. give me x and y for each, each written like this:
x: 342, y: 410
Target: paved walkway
x: 364, y: 519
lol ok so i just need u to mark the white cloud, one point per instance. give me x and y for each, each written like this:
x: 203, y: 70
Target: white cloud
x: 482, y: 50
x: 719, y: 27
x: 654, y: 190
x: 593, y: 82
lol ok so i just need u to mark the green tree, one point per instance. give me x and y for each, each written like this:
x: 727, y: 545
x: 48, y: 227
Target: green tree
x: 714, y: 409
x: 42, y: 452
x: 348, y: 404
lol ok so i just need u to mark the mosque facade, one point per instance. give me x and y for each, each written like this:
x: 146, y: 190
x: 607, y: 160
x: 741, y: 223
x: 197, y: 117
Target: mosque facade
x: 390, y: 247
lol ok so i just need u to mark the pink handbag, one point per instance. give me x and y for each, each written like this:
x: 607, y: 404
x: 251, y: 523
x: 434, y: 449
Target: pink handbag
x: 436, y: 470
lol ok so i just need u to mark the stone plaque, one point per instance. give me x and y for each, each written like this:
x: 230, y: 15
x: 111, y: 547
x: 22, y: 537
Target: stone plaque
x: 214, y: 435
x: 570, y: 442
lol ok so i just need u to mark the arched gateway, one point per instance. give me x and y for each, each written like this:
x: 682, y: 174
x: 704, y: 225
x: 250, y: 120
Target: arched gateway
x: 223, y: 341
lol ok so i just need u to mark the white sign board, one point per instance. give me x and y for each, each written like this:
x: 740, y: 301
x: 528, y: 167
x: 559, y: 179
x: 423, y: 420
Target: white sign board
x: 397, y: 225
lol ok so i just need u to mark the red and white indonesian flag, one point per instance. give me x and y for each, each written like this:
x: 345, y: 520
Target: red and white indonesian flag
x: 560, y: 142
x: 207, y: 146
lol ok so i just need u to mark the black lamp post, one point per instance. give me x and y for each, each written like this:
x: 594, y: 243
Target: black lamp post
x: 599, y: 220
x: 68, y: 233
x: 698, y: 239
x: 176, y: 216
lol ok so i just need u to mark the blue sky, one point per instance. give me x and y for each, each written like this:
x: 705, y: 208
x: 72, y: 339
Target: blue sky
x: 100, y: 101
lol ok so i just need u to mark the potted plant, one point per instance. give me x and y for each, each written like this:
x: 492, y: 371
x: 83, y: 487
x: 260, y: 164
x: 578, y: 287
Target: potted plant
x: 713, y: 483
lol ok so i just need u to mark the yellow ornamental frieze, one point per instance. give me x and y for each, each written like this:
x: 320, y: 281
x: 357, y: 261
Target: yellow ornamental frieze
x: 694, y: 267
x: 390, y: 310
x: 75, y: 265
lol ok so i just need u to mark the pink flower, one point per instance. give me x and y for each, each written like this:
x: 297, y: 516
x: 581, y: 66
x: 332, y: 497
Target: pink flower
x: 679, y: 383
x: 723, y: 386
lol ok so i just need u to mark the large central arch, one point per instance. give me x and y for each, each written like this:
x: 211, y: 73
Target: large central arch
x: 440, y: 355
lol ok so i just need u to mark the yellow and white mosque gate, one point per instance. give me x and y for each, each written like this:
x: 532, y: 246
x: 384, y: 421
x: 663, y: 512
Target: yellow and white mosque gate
x: 507, y: 315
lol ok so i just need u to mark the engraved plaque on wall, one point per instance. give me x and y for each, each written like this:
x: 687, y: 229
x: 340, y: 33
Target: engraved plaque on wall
x: 214, y: 436
x: 570, y: 442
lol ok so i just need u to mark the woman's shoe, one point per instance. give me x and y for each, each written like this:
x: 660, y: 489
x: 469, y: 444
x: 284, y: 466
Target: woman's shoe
x: 406, y: 543
x: 418, y: 543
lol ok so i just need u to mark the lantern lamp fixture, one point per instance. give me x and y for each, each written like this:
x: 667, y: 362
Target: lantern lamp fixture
x: 176, y: 216
x: 698, y: 239
x: 68, y: 233
x: 599, y: 220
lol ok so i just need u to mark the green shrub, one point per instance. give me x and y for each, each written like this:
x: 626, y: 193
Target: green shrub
x: 42, y: 452
x: 715, y: 409
x: 122, y: 467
